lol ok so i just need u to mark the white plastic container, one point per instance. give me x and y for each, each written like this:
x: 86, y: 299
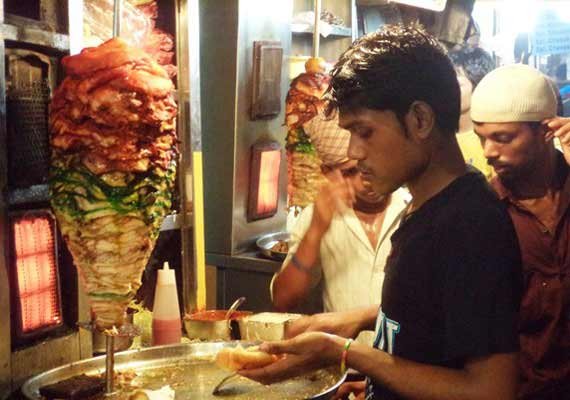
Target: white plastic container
x: 166, y: 323
x: 267, y: 326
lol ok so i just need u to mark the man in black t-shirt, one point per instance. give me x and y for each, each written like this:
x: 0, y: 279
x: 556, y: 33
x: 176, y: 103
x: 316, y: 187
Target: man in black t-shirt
x: 446, y: 328
x: 449, y: 293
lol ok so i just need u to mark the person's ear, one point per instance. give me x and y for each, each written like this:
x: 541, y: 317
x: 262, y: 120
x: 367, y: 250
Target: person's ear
x: 420, y: 120
x: 542, y: 131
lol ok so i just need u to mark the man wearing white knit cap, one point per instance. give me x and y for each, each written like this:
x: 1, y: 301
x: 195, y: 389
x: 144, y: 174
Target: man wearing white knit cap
x: 346, y: 248
x: 513, y: 110
x: 330, y: 141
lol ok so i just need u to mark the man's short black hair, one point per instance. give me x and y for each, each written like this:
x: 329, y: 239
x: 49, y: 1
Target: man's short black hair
x: 475, y: 61
x: 390, y: 69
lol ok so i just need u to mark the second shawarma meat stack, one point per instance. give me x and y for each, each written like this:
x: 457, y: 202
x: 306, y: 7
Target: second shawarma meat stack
x: 113, y: 138
x: 304, y: 101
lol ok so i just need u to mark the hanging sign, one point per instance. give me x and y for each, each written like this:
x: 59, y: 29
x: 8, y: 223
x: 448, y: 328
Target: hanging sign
x: 551, y: 35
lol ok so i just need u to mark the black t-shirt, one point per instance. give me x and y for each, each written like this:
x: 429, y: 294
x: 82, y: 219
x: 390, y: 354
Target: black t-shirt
x: 453, y: 281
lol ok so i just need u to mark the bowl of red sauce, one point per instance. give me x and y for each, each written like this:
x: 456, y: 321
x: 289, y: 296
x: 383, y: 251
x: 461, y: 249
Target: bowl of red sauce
x: 212, y: 324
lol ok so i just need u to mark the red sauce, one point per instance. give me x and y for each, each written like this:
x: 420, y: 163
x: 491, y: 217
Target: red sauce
x: 217, y: 315
x: 166, y: 331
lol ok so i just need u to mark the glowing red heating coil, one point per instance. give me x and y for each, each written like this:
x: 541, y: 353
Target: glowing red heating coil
x: 268, y: 182
x: 36, y: 272
x: 264, y: 180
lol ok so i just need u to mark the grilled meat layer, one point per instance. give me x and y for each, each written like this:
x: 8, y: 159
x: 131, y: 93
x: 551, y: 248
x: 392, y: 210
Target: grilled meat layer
x: 113, y: 138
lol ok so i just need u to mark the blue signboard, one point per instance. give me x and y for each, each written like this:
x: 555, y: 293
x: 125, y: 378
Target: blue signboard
x: 551, y: 35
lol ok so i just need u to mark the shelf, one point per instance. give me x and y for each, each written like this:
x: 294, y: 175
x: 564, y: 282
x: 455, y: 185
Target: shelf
x: 35, y: 36
x: 248, y: 261
x: 336, y: 31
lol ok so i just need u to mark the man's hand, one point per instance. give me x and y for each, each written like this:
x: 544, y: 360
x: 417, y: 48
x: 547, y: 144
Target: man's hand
x: 306, y: 352
x: 559, y: 127
x: 335, y: 196
x: 344, y: 323
x: 357, y: 388
x: 293, y: 283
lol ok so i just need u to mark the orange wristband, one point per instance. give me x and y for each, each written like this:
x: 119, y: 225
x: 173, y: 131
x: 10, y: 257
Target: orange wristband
x: 344, y: 355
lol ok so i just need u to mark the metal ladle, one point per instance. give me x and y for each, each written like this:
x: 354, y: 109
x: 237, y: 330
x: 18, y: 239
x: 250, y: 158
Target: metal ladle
x: 217, y: 389
x: 232, y: 309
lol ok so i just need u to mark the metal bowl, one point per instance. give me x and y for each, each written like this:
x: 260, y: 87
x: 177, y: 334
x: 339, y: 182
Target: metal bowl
x: 121, y: 343
x: 266, y: 242
x: 189, y: 369
x: 214, y: 329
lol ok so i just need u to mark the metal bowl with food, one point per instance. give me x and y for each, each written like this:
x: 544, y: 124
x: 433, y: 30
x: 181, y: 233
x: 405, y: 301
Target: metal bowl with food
x: 189, y: 370
x: 212, y: 324
x: 274, y: 245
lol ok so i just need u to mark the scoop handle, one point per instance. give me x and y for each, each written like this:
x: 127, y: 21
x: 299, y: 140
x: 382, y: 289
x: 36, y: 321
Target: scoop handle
x: 232, y: 308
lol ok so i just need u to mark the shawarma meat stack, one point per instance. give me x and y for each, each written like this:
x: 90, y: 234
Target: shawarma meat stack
x: 304, y: 101
x: 113, y: 138
x: 156, y: 43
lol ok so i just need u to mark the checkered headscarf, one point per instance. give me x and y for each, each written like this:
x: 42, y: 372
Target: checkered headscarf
x: 329, y: 139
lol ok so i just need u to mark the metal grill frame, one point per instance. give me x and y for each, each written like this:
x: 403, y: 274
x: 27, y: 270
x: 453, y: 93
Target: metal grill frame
x: 28, y: 137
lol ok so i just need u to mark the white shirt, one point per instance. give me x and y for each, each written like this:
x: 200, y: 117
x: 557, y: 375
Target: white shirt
x: 352, y: 271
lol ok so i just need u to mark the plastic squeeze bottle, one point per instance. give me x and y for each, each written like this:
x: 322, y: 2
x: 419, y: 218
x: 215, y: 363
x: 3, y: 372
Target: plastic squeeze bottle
x: 166, y: 325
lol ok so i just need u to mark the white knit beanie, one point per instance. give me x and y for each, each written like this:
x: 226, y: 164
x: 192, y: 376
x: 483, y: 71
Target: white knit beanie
x: 329, y: 139
x: 513, y: 93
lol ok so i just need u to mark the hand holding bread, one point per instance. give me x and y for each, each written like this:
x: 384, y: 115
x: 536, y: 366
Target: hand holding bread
x: 237, y: 358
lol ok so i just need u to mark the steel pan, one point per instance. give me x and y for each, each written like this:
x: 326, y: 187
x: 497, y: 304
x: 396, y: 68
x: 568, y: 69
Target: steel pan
x: 190, y: 371
x: 266, y: 242
x: 215, y: 327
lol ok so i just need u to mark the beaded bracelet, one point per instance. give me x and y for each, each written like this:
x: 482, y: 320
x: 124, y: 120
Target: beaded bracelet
x: 344, y: 356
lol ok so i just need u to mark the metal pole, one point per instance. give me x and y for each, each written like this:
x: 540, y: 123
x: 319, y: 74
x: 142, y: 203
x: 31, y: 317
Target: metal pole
x: 117, y: 12
x: 109, y: 364
x: 110, y: 340
x: 190, y: 164
x: 317, y: 31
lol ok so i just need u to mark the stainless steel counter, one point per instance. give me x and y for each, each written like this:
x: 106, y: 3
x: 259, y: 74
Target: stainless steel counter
x: 250, y: 261
x: 249, y: 274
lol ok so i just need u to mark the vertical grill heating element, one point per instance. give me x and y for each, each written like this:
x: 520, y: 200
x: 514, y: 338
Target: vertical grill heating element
x: 268, y: 181
x: 264, y: 180
x: 35, y: 268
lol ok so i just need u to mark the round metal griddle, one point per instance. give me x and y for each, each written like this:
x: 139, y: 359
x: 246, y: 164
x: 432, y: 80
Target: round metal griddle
x: 266, y: 242
x: 189, y: 370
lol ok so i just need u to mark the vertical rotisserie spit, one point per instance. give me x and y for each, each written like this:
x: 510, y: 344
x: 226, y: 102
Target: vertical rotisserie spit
x: 304, y: 101
x: 113, y: 137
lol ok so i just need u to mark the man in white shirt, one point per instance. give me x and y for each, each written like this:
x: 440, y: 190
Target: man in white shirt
x: 346, y: 248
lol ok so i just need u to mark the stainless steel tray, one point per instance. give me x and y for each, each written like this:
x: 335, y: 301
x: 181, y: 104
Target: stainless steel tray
x: 190, y: 371
x: 266, y: 242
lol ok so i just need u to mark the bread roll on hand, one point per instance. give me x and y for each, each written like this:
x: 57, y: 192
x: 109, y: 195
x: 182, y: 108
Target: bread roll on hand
x: 238, y: 358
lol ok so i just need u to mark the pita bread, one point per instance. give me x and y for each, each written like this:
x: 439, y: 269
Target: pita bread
x: 238, y: 358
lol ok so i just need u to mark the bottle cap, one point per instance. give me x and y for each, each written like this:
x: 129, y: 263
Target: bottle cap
x: 166, y: 276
